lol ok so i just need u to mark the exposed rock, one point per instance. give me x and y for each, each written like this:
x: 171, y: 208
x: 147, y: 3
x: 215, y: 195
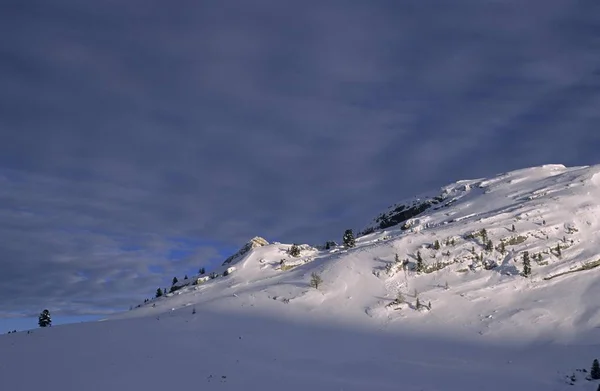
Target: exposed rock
x: 256, y: 241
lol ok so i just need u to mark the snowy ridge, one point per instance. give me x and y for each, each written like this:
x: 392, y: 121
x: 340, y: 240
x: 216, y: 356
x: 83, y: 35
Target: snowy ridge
x: 470, y: 292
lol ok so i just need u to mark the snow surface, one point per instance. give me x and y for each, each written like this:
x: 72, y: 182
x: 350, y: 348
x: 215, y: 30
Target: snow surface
x: 263, y: 327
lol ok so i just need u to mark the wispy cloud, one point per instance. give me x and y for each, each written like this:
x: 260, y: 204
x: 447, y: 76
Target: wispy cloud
x: 129, y: 126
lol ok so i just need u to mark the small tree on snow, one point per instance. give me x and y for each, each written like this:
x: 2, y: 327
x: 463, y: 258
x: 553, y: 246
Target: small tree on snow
x: 175, y: 280
x: 595, y: 372
x: 502, y: 248
x: 159, y: 292
x: 44, y: 319
x: 558, y: 252
x: 348, y: 238
x: 436, y: 245
x: 420, y: 266
x: 202, y: 271
x: 489, y: 247
x: 526, y: 264
x: 294, y: 251
x: 315, y: 280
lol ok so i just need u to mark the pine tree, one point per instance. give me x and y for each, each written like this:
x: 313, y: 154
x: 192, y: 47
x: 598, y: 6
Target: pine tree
x: 418, y: 304
x: 436, y: 245
x: 159, y: 292
x: 452, y: 242
x: 396, y: 258
x: 294, y: 251
x: 348, y: 238
x: 202, y: 271
x: 315, y: 280
x: 558, y: 250
x: 513, y: 228
x: 484, y: 236
x: 489, y: 246
x: 44, y: 319
x: 186, y: 277
x: 502, y: 248
x: 175, y: 280
x: 420, y: 265
x: 526, y: 264
x: 595, y: 372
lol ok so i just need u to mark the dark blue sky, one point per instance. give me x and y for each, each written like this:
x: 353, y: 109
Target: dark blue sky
x: 143, y: 139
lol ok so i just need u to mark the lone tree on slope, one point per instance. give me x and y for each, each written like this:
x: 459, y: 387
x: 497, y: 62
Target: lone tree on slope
x: 315, y: 280
x: 175, y: 280
x: 45, y: 320
x: 595, y: 372
x: 159, y: 292
x: 526, y: 264
x: 294, y: 251
x: 348, y: 238
x: 420, y: 266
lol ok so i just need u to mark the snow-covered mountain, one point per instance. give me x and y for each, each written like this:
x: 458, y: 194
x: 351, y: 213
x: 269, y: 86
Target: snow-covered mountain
x: 435, y: 295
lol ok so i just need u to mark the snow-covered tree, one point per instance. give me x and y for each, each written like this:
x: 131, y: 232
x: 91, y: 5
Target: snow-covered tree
x: 348, y: 238
x: 44, y: 319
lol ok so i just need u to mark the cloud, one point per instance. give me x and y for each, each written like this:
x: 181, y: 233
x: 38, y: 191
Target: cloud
x: 139, y: 125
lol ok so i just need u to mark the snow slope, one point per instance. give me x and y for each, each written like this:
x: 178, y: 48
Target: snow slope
x: 480, y: 325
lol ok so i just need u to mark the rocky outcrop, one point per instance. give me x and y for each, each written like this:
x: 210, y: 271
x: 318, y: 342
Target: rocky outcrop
x: 256, y: 241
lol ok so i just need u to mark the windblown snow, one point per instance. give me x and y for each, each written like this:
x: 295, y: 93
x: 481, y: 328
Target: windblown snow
x: 439, y: 301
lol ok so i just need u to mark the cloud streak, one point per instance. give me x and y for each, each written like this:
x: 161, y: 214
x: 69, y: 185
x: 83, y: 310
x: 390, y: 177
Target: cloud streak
x: 138, y: 125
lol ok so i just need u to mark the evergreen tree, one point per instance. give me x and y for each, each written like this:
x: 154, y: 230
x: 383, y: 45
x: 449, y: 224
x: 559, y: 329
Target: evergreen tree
x: 436, y: 245
x: 484, y: 236
x: 502, y: 248
x: 420, y: 266
x: 202, y: 271
x: 186, y: 277
x: 595, y: 373
x: 175, y: 280
x: 513, y: 228
x: 453, y: 242
x: 526, y: 264
x: 558, y: 250
x: 159, y: 292
x: 489, y: 246
x: 396, y: 258
x: 418, y: 304
x: 44, y: 319
x: 294, y: 251
x: 315, y: 280
x: 348, y: 238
